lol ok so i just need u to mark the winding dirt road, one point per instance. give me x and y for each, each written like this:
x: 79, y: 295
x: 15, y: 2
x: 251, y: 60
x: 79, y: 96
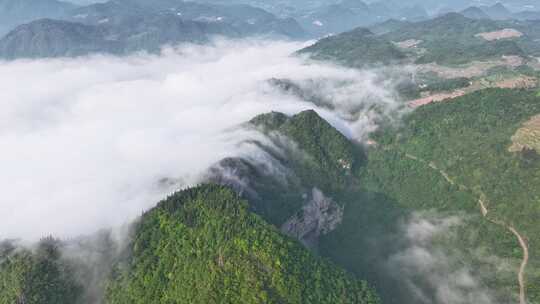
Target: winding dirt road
x: 524, y: 247
x: 485, y: 213
x: 523, y: 267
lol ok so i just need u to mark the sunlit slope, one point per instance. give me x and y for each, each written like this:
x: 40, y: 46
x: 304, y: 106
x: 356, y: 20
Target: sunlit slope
x: 446, y: 40
x: 202, y: 245
x: 454, y: 157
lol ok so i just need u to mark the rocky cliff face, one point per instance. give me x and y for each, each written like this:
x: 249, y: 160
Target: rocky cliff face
x: 319, y: 216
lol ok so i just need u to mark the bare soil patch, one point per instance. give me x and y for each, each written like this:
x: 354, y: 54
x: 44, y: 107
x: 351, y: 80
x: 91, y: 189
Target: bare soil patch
x: 522, y: 82
x: 407, y: 44
x: 527, y: 136
x: 519, y: 82
x: 502, y: 34
x: 436, y: 98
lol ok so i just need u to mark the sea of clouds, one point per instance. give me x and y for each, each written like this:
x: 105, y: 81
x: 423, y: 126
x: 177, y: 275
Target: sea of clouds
x: 92, y: 142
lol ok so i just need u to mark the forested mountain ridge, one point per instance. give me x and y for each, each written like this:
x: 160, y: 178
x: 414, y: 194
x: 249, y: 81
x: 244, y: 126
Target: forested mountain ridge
x: 357, y: 48
x: 225, y: 247
x: 202, y: 245
x: 406, y: 169
x: 16, y: 12
x: 462, y: 150
x: 227, y: 253
x: 124, y: 27
x: 313, y: 155
x: 448, y: 40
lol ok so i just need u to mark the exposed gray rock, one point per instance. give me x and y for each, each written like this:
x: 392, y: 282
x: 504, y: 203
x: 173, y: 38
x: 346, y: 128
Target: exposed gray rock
x: 319, y: 216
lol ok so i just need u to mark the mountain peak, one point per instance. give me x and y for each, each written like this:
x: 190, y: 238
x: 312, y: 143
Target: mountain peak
x: 474, y: 12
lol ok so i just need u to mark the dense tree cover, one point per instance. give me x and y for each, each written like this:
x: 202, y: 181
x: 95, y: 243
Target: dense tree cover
x: 206, y: 245
x: 307, y: 153
x: 327, y: 159
x: 357, y: 48
x: 468, y: 139
x: 312, y: 154
x: 451, y: 39
x: 37, y: 276
x: 203, y: 245
x: 447, y: 40
x: 135, y: 25
x: 316, y: 154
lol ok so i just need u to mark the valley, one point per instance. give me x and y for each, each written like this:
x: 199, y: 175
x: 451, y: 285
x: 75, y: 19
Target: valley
x: 485, y: 213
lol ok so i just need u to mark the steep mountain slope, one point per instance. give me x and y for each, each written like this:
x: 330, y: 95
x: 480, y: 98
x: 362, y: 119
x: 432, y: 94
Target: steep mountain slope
x: 331, y: 155
x: 455, y: 157
x: 312, y: 154
x: 210, y: 244
x: 37, y: 277
x: 226, y: 252
x: 202, y: 245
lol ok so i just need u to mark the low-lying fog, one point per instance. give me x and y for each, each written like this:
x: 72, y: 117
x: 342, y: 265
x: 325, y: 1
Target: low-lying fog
x: 92, y: 142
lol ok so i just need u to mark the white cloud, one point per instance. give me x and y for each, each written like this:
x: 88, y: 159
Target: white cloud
x: 431, y: 273
x: 84, y: 142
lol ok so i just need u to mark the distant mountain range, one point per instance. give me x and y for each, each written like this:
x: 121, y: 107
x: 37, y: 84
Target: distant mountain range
x: 449, y: 39
x: 16, y: 12
x: 51, y: 28
x: 318, y: 18
x: 124, y: 26
x: 499, y: 12
x: 348, y: 14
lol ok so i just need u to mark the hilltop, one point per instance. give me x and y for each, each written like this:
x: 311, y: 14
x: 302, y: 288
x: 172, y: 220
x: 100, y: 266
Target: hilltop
x: 357, y: 48
x: 451, y: 39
